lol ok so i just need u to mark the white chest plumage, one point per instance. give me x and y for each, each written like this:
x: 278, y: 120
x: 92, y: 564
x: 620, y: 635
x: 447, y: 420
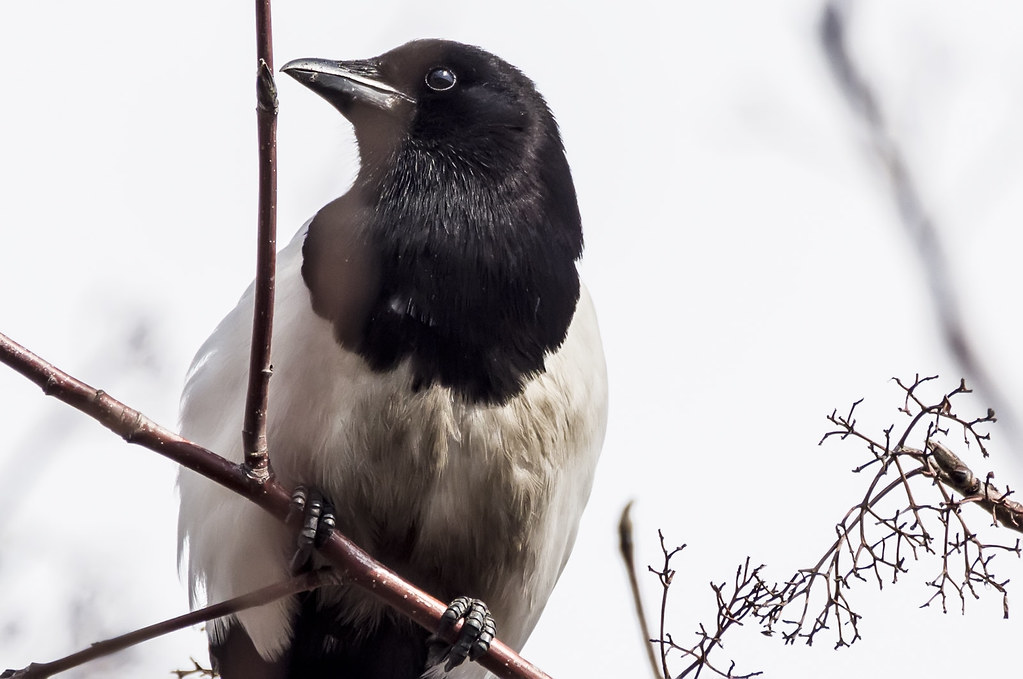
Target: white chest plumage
x: 462, y: 499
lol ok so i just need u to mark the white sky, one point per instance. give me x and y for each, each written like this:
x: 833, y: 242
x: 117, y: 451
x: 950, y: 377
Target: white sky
x: 742, y: 248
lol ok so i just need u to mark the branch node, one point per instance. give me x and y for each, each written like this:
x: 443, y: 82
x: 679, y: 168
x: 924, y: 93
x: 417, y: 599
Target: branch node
x: 266, y: 89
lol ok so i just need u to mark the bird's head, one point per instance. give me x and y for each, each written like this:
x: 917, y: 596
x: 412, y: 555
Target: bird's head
x: 462, y: 228
x: 435, y: 94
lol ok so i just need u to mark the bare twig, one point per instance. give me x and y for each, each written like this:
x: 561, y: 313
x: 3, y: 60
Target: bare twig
x: 666, y: 575
x: 734, y: 603
x: 905, y: 532
x: 257, y: 459
x: 919, y: 224
x: 291, y: 586
x: 745, y: 596
x: 349, y: 561
x: 626, y: 548
x: 875, y: 539
x: 196, y: 670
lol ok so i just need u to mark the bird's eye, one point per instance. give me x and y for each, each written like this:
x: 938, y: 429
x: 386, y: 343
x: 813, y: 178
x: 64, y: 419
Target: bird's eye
x: 440, y: 79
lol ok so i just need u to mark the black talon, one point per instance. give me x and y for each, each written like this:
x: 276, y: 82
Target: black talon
x: 487, y: 633
x: 298, y: 500
x: 478, y: 631
x: 326, y: 524
x: 317, y: 521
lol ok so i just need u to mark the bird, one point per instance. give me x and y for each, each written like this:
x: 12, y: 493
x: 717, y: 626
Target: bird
x: 438, y: 375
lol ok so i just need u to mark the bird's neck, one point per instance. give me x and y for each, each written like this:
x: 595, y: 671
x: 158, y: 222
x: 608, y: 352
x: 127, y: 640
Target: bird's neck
x: 478, y: 279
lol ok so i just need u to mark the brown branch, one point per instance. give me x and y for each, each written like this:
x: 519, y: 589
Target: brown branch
x: 350, y: 562
x: 299, y: 583
x: 257, y: 458
x: 626, y: 549
x: 956, y: 474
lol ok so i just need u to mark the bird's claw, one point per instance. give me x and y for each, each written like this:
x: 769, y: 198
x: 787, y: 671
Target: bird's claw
x: 317, y: 516
x: 474, y: 638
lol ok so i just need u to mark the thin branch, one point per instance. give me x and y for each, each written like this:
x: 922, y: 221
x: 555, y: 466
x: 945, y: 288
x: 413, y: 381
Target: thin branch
x: 350, y: 562
x: 257, y: 458
x: 665, y: 575
x: 289, y: 587
x: 626, y: 549
x: 918, y: 223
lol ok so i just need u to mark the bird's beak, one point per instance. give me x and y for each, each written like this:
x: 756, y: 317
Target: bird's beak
x: 344, y: 83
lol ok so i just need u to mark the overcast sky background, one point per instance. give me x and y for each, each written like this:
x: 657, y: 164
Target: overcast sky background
x: 743, y: 250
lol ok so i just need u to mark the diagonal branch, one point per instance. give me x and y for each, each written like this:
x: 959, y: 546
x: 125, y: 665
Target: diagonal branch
x: 257, y: 458
x: 279, y: 590
x: 350, y: 562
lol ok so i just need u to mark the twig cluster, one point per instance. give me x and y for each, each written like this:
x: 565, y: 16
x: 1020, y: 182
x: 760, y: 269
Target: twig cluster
x: 197, y: 671
x: 912, y: 509
x: 734, y: 603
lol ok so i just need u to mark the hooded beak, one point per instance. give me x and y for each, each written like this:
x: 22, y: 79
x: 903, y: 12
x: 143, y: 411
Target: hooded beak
x: 348, y: 83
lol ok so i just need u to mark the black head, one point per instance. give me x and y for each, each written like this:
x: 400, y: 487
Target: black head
x: 466, y: 207
x: 431, y: 92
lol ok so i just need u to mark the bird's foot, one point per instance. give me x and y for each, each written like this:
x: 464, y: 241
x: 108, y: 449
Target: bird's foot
x: 317, y: 516
x: 478, y: 630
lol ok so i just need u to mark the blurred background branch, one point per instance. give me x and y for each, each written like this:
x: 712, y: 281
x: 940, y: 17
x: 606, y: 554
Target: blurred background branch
x: 916, y: 218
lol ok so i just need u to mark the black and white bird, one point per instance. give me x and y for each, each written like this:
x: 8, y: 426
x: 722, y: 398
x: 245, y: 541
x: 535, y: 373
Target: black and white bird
x: 437, y: 374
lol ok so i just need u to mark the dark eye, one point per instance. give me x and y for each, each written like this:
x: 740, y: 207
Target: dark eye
x: 440, y: 79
